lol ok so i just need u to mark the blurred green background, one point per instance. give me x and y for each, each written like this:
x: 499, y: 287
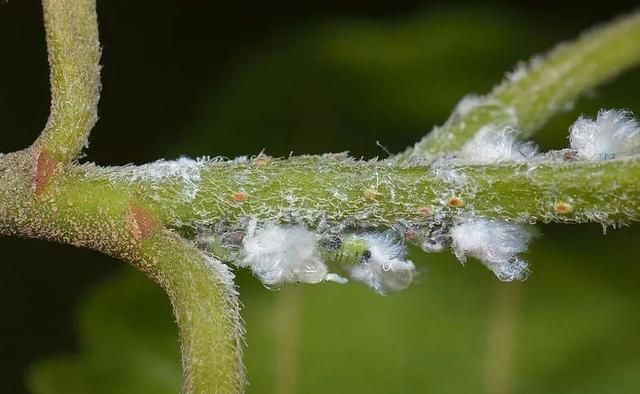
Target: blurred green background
x: 199, y: 78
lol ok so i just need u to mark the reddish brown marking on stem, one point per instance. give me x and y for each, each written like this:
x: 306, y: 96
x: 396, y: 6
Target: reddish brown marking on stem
x: 562, y: 207
x: 455, y: 202
x: 143, y: 223
x: 411, y: 235
x: 240, y: 196
x: 43, y: 171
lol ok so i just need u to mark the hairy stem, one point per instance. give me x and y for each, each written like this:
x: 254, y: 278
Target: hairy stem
x: 532, y: 94
x: 74, y: 53
x: 206, y: 307
x: 329, y: 189
x: 92, y: 207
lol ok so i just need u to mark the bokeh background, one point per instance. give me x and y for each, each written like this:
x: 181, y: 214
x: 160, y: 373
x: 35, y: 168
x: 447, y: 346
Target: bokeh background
x: 195, y: 78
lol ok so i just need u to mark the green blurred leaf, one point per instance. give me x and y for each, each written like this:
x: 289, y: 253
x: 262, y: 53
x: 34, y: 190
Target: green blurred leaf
x: 342, y: 85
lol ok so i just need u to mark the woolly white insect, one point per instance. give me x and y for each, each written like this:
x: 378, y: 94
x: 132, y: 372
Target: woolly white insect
x: 613, y: 133
x: 383, y: 267
x: 495, y: 243
x: 278, y: 254
x: 491, y: 145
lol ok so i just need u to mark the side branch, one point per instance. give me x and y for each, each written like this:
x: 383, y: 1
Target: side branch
x: 531, y: 94
x: 74, y: 54
x: 207, y: 311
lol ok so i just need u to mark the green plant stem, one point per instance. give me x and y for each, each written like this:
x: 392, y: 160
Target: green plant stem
x: 333, y: 190
x: 314, y: 190
x: 74, y: 53
x: 206, y: 307
x: 530, y: 96
x: 89, y: 206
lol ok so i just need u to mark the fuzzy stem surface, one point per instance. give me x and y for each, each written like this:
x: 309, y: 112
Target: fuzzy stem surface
x: 74, y: 55
x: 337, y: 190
x: 531, y: 94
